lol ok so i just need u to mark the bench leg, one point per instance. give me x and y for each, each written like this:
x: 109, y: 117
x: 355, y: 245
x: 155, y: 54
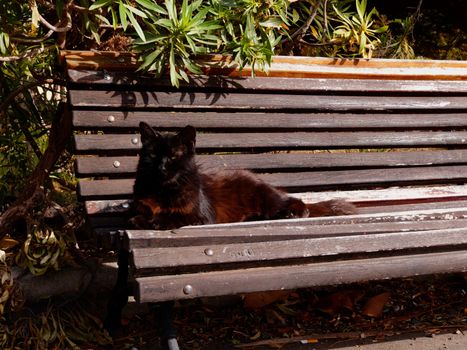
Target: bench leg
x: 164, y: 317
x: 119, y: 297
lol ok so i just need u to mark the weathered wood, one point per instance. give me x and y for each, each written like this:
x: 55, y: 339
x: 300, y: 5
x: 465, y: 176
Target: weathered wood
x: 282, y: 141
x: 247, y: 101
x: 442, y: 196
x: 108, y: 166
x: 410, y: 117
x: 302, y: 67
x: 183, y: 237
x: 161, y: 288
x: 134, y: 81
x: 244, y: 121
x: 295, y: 182
x: 264, y: 252
x: 113, y: 217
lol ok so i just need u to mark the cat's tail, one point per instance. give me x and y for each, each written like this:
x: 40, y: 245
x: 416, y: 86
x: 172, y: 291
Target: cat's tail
x: 331, y: 207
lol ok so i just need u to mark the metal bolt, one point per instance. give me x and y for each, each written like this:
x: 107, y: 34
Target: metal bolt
x: 107, y: 77
x: 121, y: 60
x: 188, y: 289
x: 134, y: 140
x: 130, y: 98
x: 116, y: 164
x: 125, y: 205
x: 209, y: 252
x: 111, y: 119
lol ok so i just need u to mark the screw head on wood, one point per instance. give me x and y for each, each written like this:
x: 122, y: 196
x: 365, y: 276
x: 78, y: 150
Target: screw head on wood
x: 107, y: 77
x: 111, y: 119
x: 188, y: 289
x: 209, y: 252
x: 134, y: 140
x: 130, y: 98
x: 121, y: 60
x: 116, y: 164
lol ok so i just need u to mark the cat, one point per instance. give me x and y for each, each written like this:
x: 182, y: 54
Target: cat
x: 170, y: 191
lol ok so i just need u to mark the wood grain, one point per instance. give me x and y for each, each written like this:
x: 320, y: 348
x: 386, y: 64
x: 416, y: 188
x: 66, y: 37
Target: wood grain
x: 108, y: 166
x: 264, y: 252
x: 220, y: 142
x: 248, y: 101
x: 266, y: 232
x: 308, y: 181
x: 134, y: 81
x: 203, y: 284
x: 244, y: 121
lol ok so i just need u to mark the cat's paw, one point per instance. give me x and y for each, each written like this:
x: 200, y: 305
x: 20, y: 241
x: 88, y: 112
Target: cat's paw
x: 140, y: 222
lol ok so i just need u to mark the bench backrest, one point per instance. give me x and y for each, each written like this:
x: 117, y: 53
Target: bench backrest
x: 304, y: 134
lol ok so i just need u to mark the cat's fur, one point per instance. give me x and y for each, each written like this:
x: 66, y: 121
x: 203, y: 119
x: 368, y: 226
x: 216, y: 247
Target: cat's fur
x: 170, y: 191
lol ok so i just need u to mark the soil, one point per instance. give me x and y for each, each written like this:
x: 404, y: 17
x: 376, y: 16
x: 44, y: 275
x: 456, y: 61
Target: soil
x: 328, y: 317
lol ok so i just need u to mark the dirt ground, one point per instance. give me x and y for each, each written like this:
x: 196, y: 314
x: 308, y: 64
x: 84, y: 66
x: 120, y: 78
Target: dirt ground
x: 428, y: 312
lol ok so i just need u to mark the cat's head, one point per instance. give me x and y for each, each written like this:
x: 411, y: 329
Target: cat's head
x: 166, y: 156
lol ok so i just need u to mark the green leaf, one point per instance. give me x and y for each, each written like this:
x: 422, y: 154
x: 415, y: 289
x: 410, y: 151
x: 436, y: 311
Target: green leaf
x: 99, y: 4
x: 272, y: 22
x: 152, y: 6
x: 149, y: 59
x: 136, y: 26
x: 361, y: 8
x: 136, y: 11
x: 123, y: 15
x: 171, y: 10
x: 114, y: 18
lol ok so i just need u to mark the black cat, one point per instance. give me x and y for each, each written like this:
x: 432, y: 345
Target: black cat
x: 170, y: 191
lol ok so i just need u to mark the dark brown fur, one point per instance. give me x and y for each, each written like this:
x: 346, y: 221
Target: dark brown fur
x: 170, y: 191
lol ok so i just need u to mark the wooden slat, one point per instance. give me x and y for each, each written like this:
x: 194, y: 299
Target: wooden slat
x: 277, y: 141
x: 118, y: 120
x: 244, y: 101
x: 264, y: 252
x: 310, y: 180
x: 107, y: 166
x: 134, y: 81
x: 363, y: 198
x: 286, y: 66
x: 262, y: 232
x: 161, y: 288
x: 112, y: 216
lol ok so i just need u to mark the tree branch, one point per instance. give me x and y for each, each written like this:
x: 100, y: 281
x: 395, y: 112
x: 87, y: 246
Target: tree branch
x: 302, y: 30
x: 59, y: 135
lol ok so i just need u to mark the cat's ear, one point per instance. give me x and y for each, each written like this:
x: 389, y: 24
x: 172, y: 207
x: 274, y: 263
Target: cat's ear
x: 188, y: 137
x: 148, y: 134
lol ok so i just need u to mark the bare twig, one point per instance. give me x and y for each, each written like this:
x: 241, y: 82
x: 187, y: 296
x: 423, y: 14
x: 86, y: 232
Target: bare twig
x: 302, y: 30
x: 27, y: 54
x: 57, y: 27
x: 26, y: 40
x: 22, y: 88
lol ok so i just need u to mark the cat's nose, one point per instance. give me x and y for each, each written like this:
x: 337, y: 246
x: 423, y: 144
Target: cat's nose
x: 162, y: 168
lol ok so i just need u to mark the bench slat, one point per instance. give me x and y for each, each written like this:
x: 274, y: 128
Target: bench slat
x: 162, y: 288
x: 136, y: 81
x: 391, y: 211
x: 265, y: 252
x: 108, y: 166
x: 119, y: 120
x: 185, y: 237
x: 277, y: 141
x: 310, y: 180
x: 157, y: 100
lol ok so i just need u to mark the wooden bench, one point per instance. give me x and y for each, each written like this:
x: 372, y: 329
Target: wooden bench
x: 389, y: 136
